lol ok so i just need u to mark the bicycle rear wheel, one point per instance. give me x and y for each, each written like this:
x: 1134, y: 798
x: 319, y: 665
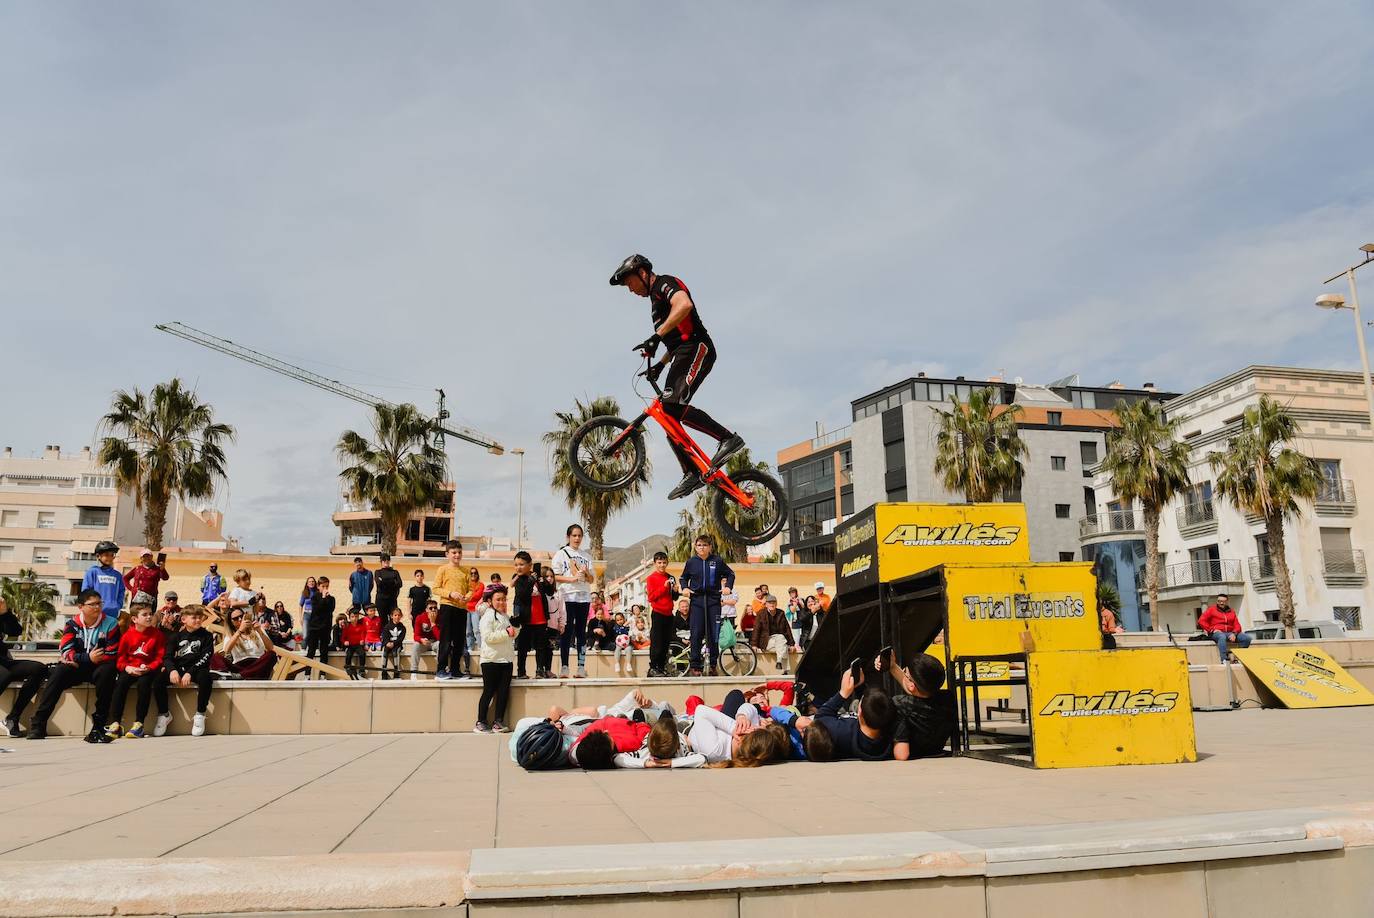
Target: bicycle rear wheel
x: 759, y: 523
x: 740, y: 660
x: 600, y: 459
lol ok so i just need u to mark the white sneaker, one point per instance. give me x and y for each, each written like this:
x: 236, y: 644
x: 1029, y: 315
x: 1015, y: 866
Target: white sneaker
x: 163, y: 722
x: 198, y: 725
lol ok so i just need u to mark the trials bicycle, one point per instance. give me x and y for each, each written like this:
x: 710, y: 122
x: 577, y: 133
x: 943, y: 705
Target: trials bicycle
x: 607, y: 454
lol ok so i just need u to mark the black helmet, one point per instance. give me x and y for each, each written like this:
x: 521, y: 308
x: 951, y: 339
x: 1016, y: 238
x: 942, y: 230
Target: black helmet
x: 630, y: 266
x: 105, y: 546
x: 540, y: 748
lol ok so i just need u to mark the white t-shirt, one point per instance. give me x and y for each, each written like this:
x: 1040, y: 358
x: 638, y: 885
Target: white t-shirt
x: 713, y: 733
x: 563, y: 566
x: 249, y: 646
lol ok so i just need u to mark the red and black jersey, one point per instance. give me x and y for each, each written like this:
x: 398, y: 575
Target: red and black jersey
x: 689, y: 330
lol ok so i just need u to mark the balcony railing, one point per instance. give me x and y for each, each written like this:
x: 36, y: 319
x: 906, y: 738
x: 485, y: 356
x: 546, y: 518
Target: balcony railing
x: 1336, y: 497
x: 1194, y: 573
x: 1344, y: 567
x: 375, y: 539
x: 1262, y: 571
x: 826, y: 439
x: 1197, y: 515
x: 1110, y: 522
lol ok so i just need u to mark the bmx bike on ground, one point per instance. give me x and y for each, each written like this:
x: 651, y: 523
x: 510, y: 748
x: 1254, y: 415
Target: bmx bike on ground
x: 607, y: 454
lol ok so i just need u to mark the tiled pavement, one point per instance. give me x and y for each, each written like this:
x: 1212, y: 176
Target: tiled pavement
x: 278, y: 795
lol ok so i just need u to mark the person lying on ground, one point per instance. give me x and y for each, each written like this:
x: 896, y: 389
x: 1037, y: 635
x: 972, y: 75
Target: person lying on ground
x: 925, y: 710
x: 867, y: 736
x: 735, y: 735
x: 663, y: 748
x: 634, y: 700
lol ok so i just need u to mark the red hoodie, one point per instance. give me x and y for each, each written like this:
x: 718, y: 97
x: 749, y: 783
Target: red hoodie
x: 626, y: 735
x: 1215, y: 619
x: 354, y: 635
x: 659, y: 589
x: 373, y: 629
x: 141, y: 648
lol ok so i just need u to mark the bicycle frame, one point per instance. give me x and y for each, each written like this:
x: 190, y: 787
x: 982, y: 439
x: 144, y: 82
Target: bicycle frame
x: 678, y: 434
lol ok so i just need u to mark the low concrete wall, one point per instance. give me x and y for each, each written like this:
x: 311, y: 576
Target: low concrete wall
x: 298, y: 707
x: 1235, y: 865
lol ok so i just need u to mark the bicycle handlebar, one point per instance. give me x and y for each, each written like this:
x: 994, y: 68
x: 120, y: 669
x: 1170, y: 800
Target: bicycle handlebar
x: 648, y: 362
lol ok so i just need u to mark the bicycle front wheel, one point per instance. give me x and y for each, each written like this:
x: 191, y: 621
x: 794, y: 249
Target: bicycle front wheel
x: 605, y: 455
x: 755, y: 524
x: 678, y: 662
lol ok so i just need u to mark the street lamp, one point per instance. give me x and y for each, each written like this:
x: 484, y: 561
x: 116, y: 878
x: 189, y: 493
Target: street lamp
x: 1336, y: 301
x: 520, y: 501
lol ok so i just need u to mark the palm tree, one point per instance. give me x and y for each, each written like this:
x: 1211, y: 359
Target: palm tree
x: 30, y: 599
x: 680, y: 544
x: 977, y: 449
x: 162, y: 444
x: 1262, y: 476
x: 398, y: 473
x: 594, y: 507
x: 1147, y: 463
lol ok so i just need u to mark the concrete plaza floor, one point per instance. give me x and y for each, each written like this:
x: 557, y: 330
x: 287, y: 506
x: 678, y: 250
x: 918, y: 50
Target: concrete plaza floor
x: 294, y: 795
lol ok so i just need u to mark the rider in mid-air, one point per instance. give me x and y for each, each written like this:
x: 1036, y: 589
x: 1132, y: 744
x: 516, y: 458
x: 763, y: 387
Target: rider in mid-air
x: 689, y: 358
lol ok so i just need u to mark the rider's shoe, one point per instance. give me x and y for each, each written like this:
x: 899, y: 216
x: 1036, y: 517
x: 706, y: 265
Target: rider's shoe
x: 728, y: 447
x: 689, y: 483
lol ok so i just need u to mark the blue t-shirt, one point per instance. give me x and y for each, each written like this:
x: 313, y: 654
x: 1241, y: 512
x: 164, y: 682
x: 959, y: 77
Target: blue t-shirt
x: 109, y: 583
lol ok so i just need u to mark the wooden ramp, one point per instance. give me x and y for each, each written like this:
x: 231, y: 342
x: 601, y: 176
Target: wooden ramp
x: 290, y: 663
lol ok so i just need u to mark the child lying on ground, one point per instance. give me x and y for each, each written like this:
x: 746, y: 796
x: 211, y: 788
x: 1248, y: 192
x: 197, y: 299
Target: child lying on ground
x: 663, y: 748
x: 735, y: 735
x: 532, y: 741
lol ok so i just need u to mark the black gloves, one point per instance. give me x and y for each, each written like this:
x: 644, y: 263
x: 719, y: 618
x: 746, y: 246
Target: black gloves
x: 649, y: 346
x: 654, y: 372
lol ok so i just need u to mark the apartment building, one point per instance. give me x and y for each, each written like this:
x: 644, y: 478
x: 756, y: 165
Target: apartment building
x: 422, y: 536
x: 1206, y: 546
x: 56, y: 506
x: 887, y: 453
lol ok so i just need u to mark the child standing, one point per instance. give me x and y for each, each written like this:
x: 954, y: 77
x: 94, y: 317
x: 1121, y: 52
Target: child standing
x: 498, y: 660
x: 451, y: 588
x: 321, y: 622
x: 620, y: 634
x: 188, y: 661
x: 662, y: 592
x: 139, y: 661
x: 393, y: 639
x: 355, y: 644
x: 528, y: 606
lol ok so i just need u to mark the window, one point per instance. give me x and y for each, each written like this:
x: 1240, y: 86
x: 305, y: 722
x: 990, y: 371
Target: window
x: 1087, y: 452
x: 1055, y: 418
x: 6, y: 552
x: 1058, y: 463
x: 1066, y: 556
x: 846, y: 459
x: 102, y: 482
x: 1271, y: 615
x: 846, y: 502
x: 897, y: 496
x: 47, y: 519
x: 1061, y: 511
x: 1348, y: 616
x: 816, y: 477
x: 93, y: 516
x: 42, y: 554
x: 9, y: 519
x: 920, y: 392
x: 894, y: 454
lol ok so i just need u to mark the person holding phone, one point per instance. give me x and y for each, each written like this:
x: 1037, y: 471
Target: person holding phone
x: 572, y: 570
x: 147, y: 575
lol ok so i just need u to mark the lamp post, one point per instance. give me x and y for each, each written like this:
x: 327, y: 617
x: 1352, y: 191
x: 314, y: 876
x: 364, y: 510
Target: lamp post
x: 520, y: 501
x: 1336, y: 301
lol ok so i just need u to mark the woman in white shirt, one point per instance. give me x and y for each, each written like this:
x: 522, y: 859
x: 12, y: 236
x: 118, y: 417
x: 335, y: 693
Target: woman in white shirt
x: 572, y: 570
x: 248, y: 648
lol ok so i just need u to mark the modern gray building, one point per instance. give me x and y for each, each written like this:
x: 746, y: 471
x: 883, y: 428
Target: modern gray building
x: 888, y: 454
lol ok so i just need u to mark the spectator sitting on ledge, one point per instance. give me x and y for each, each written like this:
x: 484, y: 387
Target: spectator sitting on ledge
x: 1221, y: 624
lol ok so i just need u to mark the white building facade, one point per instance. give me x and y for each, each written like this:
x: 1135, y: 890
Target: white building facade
x: 1208, y: 547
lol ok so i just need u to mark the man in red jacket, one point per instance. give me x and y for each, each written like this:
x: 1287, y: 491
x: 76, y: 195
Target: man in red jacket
x: 662, y: 590
x: 1221, y: 624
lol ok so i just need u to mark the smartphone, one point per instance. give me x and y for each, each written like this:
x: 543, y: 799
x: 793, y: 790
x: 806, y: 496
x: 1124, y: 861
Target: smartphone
x: 538, y: 569
x: 162, y: 557
x: 856, y: 668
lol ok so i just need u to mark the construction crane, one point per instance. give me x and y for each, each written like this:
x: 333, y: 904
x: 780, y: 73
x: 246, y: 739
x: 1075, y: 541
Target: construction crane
x: 300, y: 374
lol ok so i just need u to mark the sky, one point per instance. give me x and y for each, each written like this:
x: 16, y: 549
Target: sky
x: 404, y: 196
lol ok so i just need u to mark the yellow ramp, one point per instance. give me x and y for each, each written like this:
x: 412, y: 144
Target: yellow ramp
x: 1304, y: 677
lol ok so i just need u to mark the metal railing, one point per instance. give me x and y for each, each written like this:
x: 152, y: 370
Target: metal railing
x: 834, y: 436
x: 1261, y: 568
x: 1196, y: 513
x: 360, y: 540
x: 1201, y: 573
x: 1335, y: 491
x: 1344, y: 563
x: 1111, y: 521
